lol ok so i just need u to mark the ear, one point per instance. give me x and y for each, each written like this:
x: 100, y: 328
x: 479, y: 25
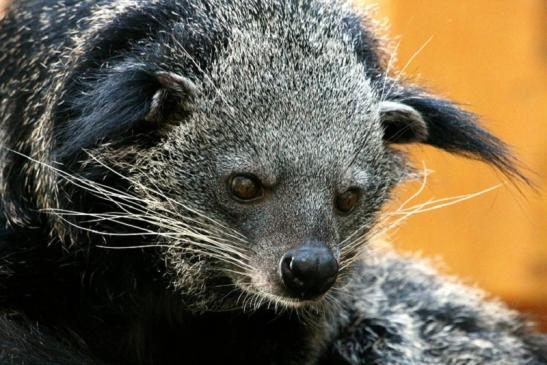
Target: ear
x: 402, y: 123
x: 412, y: 115
x: 172, y: 88
x: 124, y: 100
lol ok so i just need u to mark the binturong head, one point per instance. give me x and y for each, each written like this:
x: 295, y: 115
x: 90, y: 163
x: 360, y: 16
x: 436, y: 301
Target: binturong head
x: 253, y: 144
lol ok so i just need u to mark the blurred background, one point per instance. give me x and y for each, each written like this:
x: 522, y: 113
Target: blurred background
x: 490, y: 56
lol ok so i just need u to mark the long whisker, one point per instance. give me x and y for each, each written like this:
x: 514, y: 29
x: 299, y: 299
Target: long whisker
x: 219, y: 245
x: 445, y: 201
x: 178, y: 203
x: 109, y: 193
x: 128, y: 203
x: 161, y: 222
x: 403, y: 213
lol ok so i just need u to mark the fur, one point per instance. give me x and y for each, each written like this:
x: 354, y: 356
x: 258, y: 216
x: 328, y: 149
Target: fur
x: 122, y: 121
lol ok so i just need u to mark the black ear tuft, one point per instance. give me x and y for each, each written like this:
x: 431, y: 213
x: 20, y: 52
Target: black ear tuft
x: 123, y: 99
x: 457, y: 131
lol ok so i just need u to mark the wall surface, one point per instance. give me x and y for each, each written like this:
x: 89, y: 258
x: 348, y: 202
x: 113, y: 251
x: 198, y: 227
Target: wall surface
x: 3, y: 4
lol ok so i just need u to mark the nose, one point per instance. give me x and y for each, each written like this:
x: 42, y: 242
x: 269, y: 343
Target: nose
x: 309, y: 270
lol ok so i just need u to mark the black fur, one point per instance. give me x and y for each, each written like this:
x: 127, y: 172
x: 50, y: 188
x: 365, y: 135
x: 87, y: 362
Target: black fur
x: 454, y: 130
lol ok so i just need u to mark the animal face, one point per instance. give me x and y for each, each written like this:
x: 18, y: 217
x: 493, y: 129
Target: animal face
x: 285, y: 146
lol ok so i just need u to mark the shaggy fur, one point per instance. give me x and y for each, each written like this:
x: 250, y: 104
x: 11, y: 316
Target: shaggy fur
x: 121, y: 123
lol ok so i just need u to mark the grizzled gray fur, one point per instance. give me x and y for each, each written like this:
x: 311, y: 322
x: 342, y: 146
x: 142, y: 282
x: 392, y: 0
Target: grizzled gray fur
x: 201, y: 182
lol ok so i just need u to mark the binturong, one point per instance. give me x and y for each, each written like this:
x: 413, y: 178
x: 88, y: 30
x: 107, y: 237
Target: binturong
x: 201, y: 182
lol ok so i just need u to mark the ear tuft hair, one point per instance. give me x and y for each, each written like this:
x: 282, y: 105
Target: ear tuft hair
x: 454, y: 130
x: 126, y: 98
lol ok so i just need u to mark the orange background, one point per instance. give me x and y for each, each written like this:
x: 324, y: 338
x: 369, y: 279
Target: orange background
x: 492, y: 57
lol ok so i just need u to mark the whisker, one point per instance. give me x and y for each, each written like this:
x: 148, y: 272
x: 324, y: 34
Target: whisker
x: 449, y: 201
x: 404, y: 213
x: 184, y: 206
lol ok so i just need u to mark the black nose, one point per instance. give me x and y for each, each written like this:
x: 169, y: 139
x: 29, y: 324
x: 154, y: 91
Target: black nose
x: 309, y: 270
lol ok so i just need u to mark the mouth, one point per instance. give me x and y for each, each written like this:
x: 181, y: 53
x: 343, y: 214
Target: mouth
x: 253, y: 298
x: 260, y: 291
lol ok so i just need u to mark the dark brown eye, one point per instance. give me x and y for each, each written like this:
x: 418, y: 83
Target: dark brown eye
x: 345, y: 202
x: 245, y: 187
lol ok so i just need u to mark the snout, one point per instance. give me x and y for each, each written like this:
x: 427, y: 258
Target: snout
x: 309, y: 270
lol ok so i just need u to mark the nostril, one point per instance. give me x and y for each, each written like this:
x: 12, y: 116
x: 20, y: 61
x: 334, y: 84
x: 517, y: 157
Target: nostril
x: 289, y: 275
x: 286, y: 263
x: 309, y: 270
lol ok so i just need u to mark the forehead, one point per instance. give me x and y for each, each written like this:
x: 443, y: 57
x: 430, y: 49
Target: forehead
x: 309, y: 99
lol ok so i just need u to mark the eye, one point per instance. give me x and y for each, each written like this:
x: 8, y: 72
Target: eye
x: 347, y: 201
x: 245, y: 187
